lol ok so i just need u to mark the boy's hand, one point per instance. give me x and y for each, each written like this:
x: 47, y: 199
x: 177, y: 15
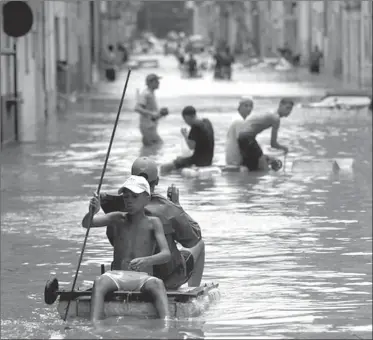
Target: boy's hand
x: 286, y: 150
x: 94, y: 204
x: 173, y: 194
x: 140, y: 264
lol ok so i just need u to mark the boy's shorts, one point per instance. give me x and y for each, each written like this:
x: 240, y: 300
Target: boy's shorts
x: 127, y: 280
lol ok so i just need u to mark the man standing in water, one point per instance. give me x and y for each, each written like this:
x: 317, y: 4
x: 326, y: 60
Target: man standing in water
x: 147, y: 107
x: 187, y: 264
x: 255, y: 123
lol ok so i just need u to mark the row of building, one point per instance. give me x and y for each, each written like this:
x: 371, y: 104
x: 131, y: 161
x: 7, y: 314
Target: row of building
x: 62, y: 54
x: 341, y: 29
x: 58, y: 57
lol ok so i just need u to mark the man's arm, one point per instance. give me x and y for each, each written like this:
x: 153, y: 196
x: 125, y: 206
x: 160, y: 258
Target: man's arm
x: 187, y: 230
x: 139, y: 108
x: 164, y: 254
x: 274, y: 135
x: 102, y: 220
x: 188, y: 138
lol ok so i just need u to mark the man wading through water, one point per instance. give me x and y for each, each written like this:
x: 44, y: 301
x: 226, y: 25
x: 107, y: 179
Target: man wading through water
x: 255, y: 123
x: 232, y: 150
x: 149, y: 114
x: 186, y: 265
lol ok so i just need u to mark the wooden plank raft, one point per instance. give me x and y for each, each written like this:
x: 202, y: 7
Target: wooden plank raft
x: 183, y: 303
x: 180, y: 295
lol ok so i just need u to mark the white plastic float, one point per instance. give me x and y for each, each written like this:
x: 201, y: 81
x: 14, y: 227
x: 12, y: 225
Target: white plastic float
x: 201, y: 172
x: 299, y: 165
x: 343, y: 100
x: 322, y: 165
x: 184, y: 302
x: 212, y: 171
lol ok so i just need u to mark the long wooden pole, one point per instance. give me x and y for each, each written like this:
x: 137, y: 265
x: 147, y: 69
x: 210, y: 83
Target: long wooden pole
x: 98, y: 190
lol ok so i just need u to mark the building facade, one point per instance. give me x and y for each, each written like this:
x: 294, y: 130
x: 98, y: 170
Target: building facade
x: 343, y: 32
x: 341, y: 29
x: 118, y: 23
x: 55, y: 59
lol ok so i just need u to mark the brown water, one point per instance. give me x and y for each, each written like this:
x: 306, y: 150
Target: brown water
x: 291, y: 250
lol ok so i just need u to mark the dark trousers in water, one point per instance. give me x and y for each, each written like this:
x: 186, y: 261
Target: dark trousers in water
x: 110, y: 74
x: 250, y: 151
x: 315, y: 68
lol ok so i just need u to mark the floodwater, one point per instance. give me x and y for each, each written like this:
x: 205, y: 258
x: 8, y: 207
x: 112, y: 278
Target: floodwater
x: 291, y: 251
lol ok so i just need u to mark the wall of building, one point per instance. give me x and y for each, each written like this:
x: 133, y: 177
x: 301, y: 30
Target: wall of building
x: 30, y: 108
x: 366, y: 43
x: 344, y: 36
x: 161, y: 17
x: 62, y: 31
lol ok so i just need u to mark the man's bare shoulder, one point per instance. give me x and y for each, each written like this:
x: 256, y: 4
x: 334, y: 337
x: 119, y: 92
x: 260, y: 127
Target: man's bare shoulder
x: 273, y: 115
x: 267, y: 117
x: 143, y: 95
x: 273, y: 118
x: 155, y: 222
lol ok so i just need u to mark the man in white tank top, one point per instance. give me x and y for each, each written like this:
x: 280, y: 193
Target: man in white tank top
x: 232, y: 150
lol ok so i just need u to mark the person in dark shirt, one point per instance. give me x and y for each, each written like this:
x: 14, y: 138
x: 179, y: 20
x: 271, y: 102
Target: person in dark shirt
x: 218, y: 65
x: 315, y: 60
x: 200, y: 139
x: 227, y: 62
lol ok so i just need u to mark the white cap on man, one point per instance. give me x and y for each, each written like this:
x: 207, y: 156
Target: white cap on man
x: 136, y: 184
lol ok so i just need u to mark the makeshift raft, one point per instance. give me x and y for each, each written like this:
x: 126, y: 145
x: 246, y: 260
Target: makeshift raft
x: 343, y: 100
x: 208, y: 172
x: 183, y: 303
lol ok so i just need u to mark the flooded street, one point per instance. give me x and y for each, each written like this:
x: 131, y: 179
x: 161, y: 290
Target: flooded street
x: 291, y: 251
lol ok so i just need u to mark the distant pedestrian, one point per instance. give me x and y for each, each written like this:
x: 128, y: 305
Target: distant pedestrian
x: 315, y: 60
x: 228, y: 60
x: 123, y: 49
x: 109, y: 63
x: 192, y: 66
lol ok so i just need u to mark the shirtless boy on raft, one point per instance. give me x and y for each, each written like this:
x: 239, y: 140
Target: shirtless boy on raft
x: 136, y: 236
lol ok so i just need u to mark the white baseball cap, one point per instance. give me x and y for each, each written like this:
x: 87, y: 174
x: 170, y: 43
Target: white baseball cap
x: 136, y: 184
